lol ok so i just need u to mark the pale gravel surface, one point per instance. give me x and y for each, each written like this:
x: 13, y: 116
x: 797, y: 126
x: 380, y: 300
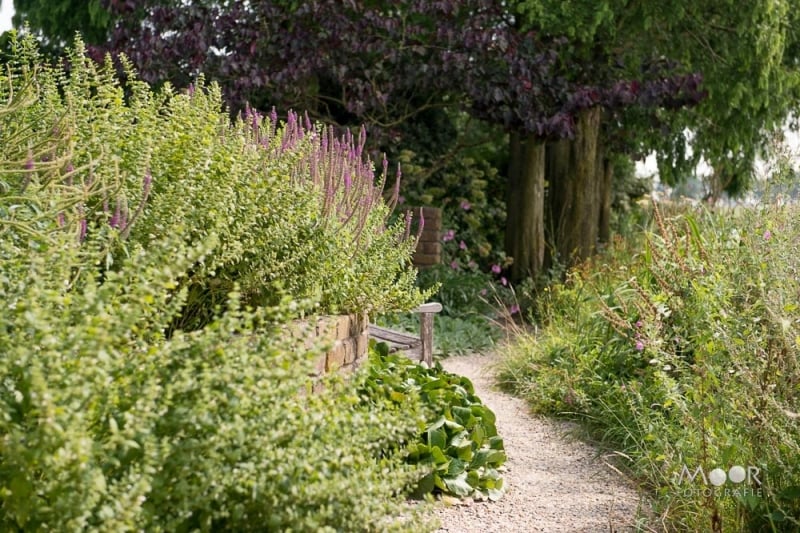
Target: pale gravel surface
x: 555, y: 483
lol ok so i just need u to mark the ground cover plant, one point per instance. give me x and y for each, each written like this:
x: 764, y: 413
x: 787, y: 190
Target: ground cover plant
x: 683, y: 355
x: 458, y: 443
x: 151, y: 252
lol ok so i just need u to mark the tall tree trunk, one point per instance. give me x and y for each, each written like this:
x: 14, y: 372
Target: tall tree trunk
x: 604, y: 225
x: 525, y: 227
x: 572, y: 174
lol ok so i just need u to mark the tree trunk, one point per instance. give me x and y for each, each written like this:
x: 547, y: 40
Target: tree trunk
x: 574, y: 203
x: 604, y: 225
x: 525, y: 228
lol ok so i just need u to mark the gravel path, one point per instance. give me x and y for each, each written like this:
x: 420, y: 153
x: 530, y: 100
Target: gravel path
x: 554, y: 483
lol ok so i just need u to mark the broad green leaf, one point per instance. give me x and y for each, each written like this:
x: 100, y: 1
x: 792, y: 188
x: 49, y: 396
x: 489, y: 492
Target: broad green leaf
x: 458, y: 485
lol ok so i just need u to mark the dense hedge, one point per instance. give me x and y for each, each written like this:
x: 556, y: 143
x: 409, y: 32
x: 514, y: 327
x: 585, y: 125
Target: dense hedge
x: 149, y: 252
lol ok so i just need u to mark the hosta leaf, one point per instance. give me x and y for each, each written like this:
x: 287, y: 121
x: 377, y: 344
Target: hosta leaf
x: 458, y: 485
x: 496, y: 494
x: 463, y: 415
x: 437, y: 438
x: 441, y: 460
x: 460, y: 440
x: 478, y: 435
x: 424, y: 486
x: 496, y: 443
x: 480, y: 458
x: 456, y: 467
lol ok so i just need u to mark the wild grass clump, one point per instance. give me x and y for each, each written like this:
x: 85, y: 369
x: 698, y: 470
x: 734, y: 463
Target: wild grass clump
x: 682, y: 356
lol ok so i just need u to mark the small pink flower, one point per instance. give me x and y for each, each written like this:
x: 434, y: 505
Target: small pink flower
x: 462, y: 245
x: 639, y: 346
x: 514, y: 309
x: 465, y: 205
x: 767, y: 235
x: 483, y: 292
x: 639, y: 324
x: 449, y: 235
x: 496, y: 269
x: 503, y: 281
x: 454, y: 265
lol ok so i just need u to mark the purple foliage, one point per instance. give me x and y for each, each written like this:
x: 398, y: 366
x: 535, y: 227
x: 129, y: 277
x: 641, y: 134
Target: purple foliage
x: 375, y: 64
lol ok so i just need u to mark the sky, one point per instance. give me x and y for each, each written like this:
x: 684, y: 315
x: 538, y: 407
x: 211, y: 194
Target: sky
x: 6, y: 12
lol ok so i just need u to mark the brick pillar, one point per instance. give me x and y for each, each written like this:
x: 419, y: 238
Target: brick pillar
x: 429, y: 248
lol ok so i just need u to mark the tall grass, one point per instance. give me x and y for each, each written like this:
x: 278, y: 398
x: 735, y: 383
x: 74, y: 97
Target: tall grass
x: 682, y: 353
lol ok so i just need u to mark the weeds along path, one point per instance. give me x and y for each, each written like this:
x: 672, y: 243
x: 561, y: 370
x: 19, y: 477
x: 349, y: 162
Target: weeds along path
x: 554, y: 483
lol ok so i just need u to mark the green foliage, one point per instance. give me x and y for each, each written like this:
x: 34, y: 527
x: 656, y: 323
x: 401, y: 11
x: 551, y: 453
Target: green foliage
x: 746, y: 53
x: 685, y: 353
x: 461, y: 176
x: 472, y: 302
x: 57, y: 21
x: 458, y: 443
x: 145, y: 164
x: 113, y: 419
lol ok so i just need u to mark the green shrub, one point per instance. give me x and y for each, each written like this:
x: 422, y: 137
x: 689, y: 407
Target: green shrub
x: 296, y: 209
x: 685, y: 354
x: 111, y: 417
x: 458, y: 444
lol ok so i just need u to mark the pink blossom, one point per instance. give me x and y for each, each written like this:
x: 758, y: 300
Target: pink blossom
x: 449, y: 235
x: 638, y: 323
x: 465, y: 205
x: 639, y: 346
x: 462, y: 245
x: 483, y: 292
x: 454, y: 265
x: 503, y: 281
x: 496, y: 269
x: 767, y: 235
x: 514, y: 309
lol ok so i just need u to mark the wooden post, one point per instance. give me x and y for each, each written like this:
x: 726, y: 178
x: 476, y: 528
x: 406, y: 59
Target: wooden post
x: 426, y: 313
x: 426, y: 336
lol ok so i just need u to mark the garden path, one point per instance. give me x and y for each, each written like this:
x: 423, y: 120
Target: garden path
x: 555, y: 483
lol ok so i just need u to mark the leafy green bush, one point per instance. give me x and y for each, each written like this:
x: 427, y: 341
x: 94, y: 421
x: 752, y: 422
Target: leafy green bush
x: 296, y: 209
x: 451, y: 161
x: 458, y: 444
x: 685, y: 355
x: 111, y: 418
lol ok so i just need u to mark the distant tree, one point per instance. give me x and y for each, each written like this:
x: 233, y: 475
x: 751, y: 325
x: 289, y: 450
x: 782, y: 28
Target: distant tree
x: 57, y: 21
x: 572, y: 81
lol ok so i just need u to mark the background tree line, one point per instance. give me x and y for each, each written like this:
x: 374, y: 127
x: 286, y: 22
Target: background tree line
x: 533, y: 100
